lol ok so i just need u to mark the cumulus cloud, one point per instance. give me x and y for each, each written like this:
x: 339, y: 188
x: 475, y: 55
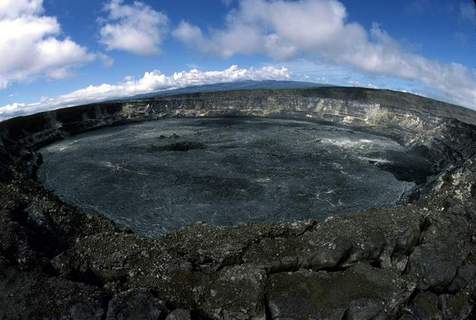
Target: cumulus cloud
x: 150, y: 82
x: 135, y: 28
x: 14, y: 8
x: 31, y: 44
x: 319, y: 29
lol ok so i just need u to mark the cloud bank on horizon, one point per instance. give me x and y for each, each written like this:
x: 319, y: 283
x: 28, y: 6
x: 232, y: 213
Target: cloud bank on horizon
x: 150, y: 82
x: 33, y: 46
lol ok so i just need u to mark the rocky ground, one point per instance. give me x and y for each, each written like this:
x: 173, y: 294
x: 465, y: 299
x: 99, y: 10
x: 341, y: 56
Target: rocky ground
x: 413, y: 262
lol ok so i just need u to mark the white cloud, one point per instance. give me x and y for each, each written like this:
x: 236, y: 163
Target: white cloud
x: 150, y: 82
x: 106, y: 60
x: 319, y: 29
x: 14, y: 8
x: 136, y: 28
x: 31, y: 44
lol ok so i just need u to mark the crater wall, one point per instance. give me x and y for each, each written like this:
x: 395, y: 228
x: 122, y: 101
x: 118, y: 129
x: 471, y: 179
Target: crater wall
x: 411, y: 120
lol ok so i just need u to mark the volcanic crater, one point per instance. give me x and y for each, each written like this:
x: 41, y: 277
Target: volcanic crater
x: 327, y: 203
x: 160, y: 176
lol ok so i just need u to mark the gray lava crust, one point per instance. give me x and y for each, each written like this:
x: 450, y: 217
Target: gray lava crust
x: 417, y: 261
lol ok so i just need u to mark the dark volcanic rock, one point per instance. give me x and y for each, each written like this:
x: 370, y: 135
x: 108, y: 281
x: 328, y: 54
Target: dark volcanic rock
x: 441, y: 253
x: 233, y: 293
x: 135, y: 305
x: 360, y: 292
x: 179, y: 314
x: 33, y: 295
x: 426, y: 306
x: 180, y: 146
x: 412, y: 262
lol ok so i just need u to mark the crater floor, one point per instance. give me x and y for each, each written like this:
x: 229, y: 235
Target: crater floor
x: 156, y: 177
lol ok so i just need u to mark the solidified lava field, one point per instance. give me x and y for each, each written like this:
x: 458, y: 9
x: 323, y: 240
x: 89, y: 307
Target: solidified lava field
x: 157, y: 177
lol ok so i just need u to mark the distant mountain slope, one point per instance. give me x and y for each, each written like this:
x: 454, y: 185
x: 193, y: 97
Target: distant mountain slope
x: 229, y: 86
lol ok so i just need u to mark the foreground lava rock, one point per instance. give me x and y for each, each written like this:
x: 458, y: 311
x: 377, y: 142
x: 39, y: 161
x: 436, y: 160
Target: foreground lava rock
x: 417, y: 261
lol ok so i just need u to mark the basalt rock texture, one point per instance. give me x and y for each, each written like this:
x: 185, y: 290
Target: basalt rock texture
x: 417, y: 261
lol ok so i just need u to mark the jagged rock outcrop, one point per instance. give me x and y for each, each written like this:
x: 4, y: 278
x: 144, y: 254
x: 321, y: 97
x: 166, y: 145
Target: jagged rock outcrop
x: 417, y: 261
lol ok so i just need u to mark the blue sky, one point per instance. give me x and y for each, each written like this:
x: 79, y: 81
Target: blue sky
x: 59, y: 52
